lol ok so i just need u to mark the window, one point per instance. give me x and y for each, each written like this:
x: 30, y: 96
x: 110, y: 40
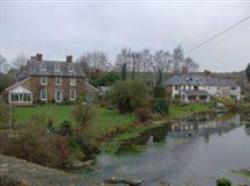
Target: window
x: 70, y: 67
x: 43, y: 67
x: 72, y: 81
x: 43, y: 94
x: 26, y: 97
x: 58, y: 81
x: 176, y: 87
x: 72, y: 94
x: 57, y: 67
x: 14, y: 97
x: 58, y: 96
x: 44, y: 81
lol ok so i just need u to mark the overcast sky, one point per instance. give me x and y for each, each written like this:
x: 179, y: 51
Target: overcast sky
x: 60, y: 27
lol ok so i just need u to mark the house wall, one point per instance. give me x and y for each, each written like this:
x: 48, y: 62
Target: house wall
x: 51, y: 87
x: 212, y: 90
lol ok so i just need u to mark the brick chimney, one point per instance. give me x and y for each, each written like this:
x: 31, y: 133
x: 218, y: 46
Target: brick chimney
x: 39, y: 57
x: 69, y: 59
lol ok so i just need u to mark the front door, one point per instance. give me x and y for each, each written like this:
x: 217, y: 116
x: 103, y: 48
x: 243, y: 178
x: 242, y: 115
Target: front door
x: 58, y: 96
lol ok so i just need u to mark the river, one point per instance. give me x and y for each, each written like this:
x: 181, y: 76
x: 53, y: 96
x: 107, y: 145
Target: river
x: 190, y: 152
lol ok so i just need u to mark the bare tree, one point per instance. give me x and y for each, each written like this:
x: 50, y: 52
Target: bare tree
x: 3, y: 64
x: 189, y: 65
x: 178, y: 59
x: 84, y: 64
x: 19, y: 61
x: 123, y: 61
x: 147, y: 61
x: 162, y: 63
x: 97, y: 60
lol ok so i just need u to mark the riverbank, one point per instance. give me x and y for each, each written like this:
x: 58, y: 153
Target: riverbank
x: 108, y: 127
x: 19, y: 172
x: 110, y: 145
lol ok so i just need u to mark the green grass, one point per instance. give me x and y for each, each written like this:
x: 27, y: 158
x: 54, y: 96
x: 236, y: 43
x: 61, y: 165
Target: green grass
x: 58, y: 113
x: 182, y: 111
x: 104, y: 119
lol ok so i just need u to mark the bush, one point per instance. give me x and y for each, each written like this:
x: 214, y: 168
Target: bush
x: 223, y: 182
x: 128, y: 95
x: 161, y: 106
x: 247, y: 97
x: 34, y: 144
x: 65, y: 128
x: 142, y: 114
x: 106, y: 79
x: 5, y: 115
x: 82, y: 113
x: 87, y: 144
x: 159, y: 92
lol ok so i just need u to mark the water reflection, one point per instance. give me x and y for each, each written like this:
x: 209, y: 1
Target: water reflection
x: 194, y: 151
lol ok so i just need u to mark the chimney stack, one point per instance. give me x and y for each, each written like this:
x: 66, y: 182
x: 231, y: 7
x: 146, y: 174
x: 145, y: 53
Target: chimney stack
x: 69, y: 59
x: 39, y: 57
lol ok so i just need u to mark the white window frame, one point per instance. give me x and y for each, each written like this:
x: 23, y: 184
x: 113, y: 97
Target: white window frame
x: 61, y: 95
x: 43, y: 67
x: 72, y: 81
x: 60, y: 82
x: 44, y: 82
x: 46, y: 97
x: 70, y: 67
x: 57, y: 67
x: 70, y: 94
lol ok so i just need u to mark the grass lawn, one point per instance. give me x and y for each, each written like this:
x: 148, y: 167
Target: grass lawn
x: 103, y: 120
x: 182, y: 111
x: 58, y: 113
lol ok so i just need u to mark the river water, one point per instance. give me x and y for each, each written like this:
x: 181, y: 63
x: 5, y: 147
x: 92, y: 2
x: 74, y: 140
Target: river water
x: 194, y: 152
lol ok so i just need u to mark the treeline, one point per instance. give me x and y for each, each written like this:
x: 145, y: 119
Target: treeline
x: 128, y: 64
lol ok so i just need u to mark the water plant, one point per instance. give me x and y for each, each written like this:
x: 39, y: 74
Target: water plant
x: 223, y: 182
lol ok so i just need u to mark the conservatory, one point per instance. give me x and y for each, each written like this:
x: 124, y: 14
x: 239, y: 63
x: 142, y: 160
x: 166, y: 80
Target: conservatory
x: 20, y: 96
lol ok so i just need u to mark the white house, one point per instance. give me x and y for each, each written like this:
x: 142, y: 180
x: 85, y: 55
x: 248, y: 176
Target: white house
x: 200, y: 88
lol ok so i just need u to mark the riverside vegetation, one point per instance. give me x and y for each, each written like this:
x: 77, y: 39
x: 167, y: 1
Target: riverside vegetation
x: 56, y: 135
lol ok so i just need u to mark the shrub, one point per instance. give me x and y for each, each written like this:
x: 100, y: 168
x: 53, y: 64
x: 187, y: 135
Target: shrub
x: 223, y: 182
x: 86, y: 143
x: 82, y: 113
x: 247, y: 97
x: 161, y: 106
x: 34, y: 144
x: 142, y: 114
x: 65, y: 128
x: 128, y: 95
x: 5, y: 115
x: 159, y: 92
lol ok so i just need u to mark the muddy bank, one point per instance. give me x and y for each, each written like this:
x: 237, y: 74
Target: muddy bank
x: 19, y: 172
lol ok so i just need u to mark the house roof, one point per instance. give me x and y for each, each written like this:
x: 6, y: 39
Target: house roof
x: 198, y: 80
x: 20, y: 89
x: 16, y: 84
x: 35, y: 68
x: 90, y: 88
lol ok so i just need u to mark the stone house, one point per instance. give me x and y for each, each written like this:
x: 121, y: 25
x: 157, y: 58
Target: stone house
x: 50, y: 81
x: 200, y: 87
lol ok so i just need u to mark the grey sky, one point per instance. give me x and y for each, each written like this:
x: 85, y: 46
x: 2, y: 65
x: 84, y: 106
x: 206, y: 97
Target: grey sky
x: 60, y: 27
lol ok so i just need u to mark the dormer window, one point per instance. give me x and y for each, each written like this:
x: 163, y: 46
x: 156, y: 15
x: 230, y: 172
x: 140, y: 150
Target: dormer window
x: 70, y: 67
x: 43, y: 67
x: 57, y: 68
